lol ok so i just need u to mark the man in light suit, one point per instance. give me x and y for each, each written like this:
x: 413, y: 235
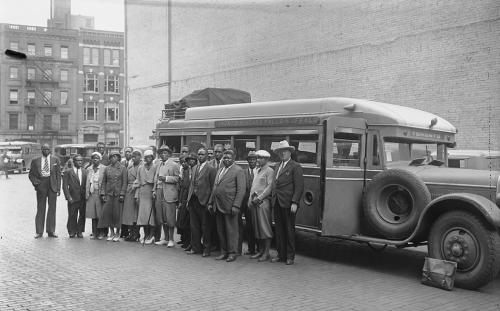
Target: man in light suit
x: 200, y: 189
x: 45, y: 176
x: 74, y: 183
x: 166, y: 195
x: 226, y: 198
x: 250, y: 172
x: 288, y: 188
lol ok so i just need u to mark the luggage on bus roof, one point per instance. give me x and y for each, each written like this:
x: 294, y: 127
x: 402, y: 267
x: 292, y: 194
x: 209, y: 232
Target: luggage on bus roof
x: 215, y: 96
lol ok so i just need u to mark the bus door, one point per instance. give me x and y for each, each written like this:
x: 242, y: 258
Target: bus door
x: 344, y: 155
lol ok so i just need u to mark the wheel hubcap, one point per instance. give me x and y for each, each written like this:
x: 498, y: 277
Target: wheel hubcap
x: 395, y: 204
x: 461, y: 247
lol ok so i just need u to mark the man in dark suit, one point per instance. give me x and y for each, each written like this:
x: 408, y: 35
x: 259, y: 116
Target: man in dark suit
x: 45, y: 176
x: 216, y: 162
x: 74, y: 183
x: 288, y: 188
x: 202, y: 183
x: 250, y: 172
x: 226, y: 198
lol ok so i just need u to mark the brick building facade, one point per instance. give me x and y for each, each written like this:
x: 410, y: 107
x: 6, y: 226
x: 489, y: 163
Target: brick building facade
x: 439, y: 56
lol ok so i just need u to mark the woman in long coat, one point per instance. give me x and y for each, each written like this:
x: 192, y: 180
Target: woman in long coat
x: 93, y: 209
x: 130, y: 209
x: 114, y: 185
x: 260, y: 205
x: 144, y: 196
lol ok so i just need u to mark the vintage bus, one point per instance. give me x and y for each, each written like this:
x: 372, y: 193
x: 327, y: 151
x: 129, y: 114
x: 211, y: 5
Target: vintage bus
x: 369, y: 175
x: 21, y: 153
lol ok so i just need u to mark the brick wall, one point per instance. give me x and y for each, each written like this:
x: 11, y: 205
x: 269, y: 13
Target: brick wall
x: 438, y: 56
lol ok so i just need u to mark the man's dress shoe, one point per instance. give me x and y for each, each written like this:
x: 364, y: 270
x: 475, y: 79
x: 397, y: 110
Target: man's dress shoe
x: 205, y: 255
x: 38, y: 235
x: 249, y: 253
x: 52, y: 235
x: 80, y: 235
x: 264, y: 258
x: 221, y: 257
x: 231, y: 258
x: 72, y: 236
x: 277, y: 259
x: 289, y: 262
x: 256, y: 256
x: 191, y: 252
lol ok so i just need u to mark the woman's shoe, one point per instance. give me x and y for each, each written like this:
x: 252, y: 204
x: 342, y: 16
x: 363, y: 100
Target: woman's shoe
x: 150, y: 240
x: 258, y: 255
x: 110, y: 238
x: 264, y: 258
x: 130, y: 236
x: 135, y: 238
x: 116, y: 238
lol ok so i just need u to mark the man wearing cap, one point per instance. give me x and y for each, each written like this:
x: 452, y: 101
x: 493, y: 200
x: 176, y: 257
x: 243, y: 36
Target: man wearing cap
x: 74, y: 182
x: 200, y: 189
x: 260, y: 205
x: 45, y: 176
x: 93, y: 208
x: 250, y: 173
x: 226, y: 198
x: 130, y: 208
x: 166, y: 195
x: 288, y: 188
x: 113, y: 187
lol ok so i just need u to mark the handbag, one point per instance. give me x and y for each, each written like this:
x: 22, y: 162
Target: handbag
x: 439, y: 273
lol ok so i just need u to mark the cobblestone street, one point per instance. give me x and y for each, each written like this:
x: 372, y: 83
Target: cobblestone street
x: 83, y: 274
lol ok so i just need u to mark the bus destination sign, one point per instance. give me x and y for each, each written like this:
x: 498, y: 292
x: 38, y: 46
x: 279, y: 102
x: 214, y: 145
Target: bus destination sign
x: 269, y: 122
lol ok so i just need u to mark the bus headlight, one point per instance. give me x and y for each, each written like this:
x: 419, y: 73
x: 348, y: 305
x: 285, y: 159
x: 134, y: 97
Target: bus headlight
x: 19, y: 161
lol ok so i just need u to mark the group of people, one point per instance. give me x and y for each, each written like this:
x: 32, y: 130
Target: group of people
x: 203, y: 197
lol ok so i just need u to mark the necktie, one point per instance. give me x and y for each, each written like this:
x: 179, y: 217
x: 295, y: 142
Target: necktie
x: 251, y: 175
x: 279, y: 169
x: 46, y: 166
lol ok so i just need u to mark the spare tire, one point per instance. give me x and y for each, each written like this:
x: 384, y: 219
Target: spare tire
x: 394, y: 201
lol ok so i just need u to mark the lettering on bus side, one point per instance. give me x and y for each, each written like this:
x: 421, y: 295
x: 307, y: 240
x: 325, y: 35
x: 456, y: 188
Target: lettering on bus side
x: 268, y: 122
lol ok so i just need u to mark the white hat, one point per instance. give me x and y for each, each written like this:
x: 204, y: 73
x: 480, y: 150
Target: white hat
x: 284, y: 146
x: 97, y: 154
x: 148, y: 153
x: 263, y: 154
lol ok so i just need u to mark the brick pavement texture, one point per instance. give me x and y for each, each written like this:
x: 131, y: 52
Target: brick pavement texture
x: 84, y: 274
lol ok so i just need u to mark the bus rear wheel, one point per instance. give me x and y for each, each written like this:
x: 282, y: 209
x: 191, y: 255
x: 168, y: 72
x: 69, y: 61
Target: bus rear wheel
x: 469, y: 241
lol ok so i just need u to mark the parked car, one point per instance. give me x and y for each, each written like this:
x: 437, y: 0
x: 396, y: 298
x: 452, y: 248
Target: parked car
x: 474, y: 159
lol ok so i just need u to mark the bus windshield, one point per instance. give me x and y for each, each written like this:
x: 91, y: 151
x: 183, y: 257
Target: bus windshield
x: 401, y: 152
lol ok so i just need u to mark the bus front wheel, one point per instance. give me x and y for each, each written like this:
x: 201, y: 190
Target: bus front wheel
x: 469, y: 241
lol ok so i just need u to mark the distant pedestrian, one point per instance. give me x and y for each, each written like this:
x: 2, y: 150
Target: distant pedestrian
x: 260, y: 205
x: 5, y: 162
x: 288, y: 188
x: 144, y: 196
x: 228, y: 193
x: 113, y: 187
x: 45, y: 176
x: 166, y: 194
x: 74, y: 183
x: 93, y: 209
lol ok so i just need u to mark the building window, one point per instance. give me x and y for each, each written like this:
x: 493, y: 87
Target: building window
x: 31, y: 97
x: 116, y: 57
x: 86, y: 55
x: 47, y: 122
x: 47, y: 74
x: 48, y: 50
x: 31, y: 73
x: 111, y: 84
x: 64, y: 123
x: 14, y: 46
x: 14, y: 72
x: 47, y: 98
x: 31, y: 49
x: 64, y: 75
x: 14, y: 97
x: 90, y: 111
x: 107, y: 57
x: 91, y: 83
x: 95, y: 56
x: 88, y: 23
x: 13, y: 121
x: 64, y: 52
x: 111, y: 112
x: 30, y: 122
x: 64, y: 97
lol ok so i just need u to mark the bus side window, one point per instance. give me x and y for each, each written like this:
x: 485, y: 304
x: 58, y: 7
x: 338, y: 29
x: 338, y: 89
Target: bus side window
x: 244, y: 144
x: 346, y: 149
x: 195, y: 142
x: 306, y: 148
x: 269, y: 143
x: 173, y: 142
x: 222, y: 140
x: 376, y: 151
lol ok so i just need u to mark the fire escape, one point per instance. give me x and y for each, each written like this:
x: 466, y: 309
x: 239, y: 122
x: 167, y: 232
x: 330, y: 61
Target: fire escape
x: 41, y: 80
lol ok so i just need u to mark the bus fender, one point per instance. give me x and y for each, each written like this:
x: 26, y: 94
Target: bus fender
x: 456, y: 201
